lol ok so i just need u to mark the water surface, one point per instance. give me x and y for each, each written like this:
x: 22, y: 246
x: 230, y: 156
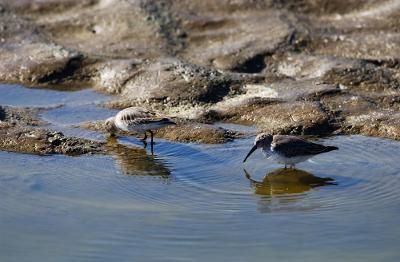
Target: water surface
x: 192, y: 202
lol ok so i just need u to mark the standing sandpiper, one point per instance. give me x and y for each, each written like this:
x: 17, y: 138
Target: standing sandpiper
x: 287, y: 150
x: 137, y: 119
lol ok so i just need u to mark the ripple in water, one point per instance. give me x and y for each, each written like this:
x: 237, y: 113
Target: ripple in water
x: 197, y: 200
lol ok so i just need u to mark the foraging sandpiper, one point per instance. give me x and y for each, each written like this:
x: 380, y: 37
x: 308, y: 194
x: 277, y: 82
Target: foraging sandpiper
x: 287, y: 150
x: 137, y: 119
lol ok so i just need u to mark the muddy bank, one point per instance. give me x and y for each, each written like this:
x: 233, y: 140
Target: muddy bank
x: 298, y: 67
x: 21, y: 130
x: 184, y: 131
x: 40, y: 141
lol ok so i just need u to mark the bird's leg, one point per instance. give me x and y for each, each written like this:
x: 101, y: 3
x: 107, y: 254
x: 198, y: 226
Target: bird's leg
x: 285, y: 167
x: 151, y: 143
x: 144, y: 140
x: 145, y: 136
x: 151, y: 132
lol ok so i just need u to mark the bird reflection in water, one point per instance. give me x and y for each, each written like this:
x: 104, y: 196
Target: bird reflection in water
x: 136, y: 161
x: 287, y: 181
x: 281, y: 189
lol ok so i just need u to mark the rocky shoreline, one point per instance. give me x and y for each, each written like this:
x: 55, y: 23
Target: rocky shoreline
x: 289, y: 67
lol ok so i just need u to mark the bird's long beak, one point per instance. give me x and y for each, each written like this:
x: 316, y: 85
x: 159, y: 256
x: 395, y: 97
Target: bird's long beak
x: 251, y: 152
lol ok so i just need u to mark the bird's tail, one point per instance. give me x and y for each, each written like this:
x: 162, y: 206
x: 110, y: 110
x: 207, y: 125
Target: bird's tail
x: 330, y: 148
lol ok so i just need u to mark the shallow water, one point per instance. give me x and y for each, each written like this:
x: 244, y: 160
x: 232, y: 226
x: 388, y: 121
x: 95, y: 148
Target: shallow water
x: 197, y: 203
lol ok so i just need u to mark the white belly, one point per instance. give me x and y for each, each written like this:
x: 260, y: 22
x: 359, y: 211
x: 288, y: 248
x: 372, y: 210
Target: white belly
x: 138, y: 127
x: 275, y: 157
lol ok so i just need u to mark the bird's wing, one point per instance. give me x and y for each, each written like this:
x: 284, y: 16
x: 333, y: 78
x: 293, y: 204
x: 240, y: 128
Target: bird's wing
x: 132, y: 113
x: 132, y: 117
x: 142, y: 121
x: 294, y: 146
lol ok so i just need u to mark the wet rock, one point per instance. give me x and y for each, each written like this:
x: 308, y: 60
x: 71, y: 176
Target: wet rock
x: 365, y: 77
x: 374, y: 123
x: 177, y: 82
x: 21, y: 131
x: 322, y: 7
x: 323, y: 63
x: 114, y: 75
x: 289, y: 90
x: 374, y: 115
x: 39, y: 141
x: 388, y: 101
x: 362, y: 46
x: 184, y: 131
x: 301, y: 66
x: 21, y: 116
x: 359, y: 32
x: 27, y: 56
x: 232, y: 35
x: 300, y: 117
x: 40, y: 7
x: 101, y: 29
x: 198, y: 133
x: 284, y: 107
x: 347, y: 104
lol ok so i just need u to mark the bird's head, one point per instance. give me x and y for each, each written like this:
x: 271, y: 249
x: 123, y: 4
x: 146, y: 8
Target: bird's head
x: 262, y: 140
x: 110, y: 125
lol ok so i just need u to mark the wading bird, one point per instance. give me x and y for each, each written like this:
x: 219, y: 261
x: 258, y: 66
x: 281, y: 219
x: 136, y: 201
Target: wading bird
x: 287, y: 150
x: 137, y: 119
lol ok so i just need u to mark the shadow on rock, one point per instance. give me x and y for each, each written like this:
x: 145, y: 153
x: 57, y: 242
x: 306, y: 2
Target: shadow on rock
x: 136, y: 161
x: 287, y: 181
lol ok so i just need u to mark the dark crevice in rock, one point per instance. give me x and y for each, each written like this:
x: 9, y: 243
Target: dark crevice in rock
x: 2, y: 114
x: 215, y: 93
x: 389, y: 63
x: 70, y: 68
x: 253, y: 65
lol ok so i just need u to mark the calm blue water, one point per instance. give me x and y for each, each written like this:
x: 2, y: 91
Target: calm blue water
x: 194, y: 203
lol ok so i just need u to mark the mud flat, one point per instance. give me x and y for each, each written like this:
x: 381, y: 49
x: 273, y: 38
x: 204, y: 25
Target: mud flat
x: 301, y: 67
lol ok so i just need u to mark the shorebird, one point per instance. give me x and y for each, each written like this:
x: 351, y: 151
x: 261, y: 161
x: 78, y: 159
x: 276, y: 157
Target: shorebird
x: 137, y: 119
x: 287, y: 150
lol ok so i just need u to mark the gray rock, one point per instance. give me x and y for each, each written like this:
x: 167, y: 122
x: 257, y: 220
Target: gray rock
x: 40, y: 141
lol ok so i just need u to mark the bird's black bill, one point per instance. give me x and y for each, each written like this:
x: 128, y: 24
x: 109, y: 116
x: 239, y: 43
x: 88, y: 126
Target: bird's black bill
x: 251, y: 152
